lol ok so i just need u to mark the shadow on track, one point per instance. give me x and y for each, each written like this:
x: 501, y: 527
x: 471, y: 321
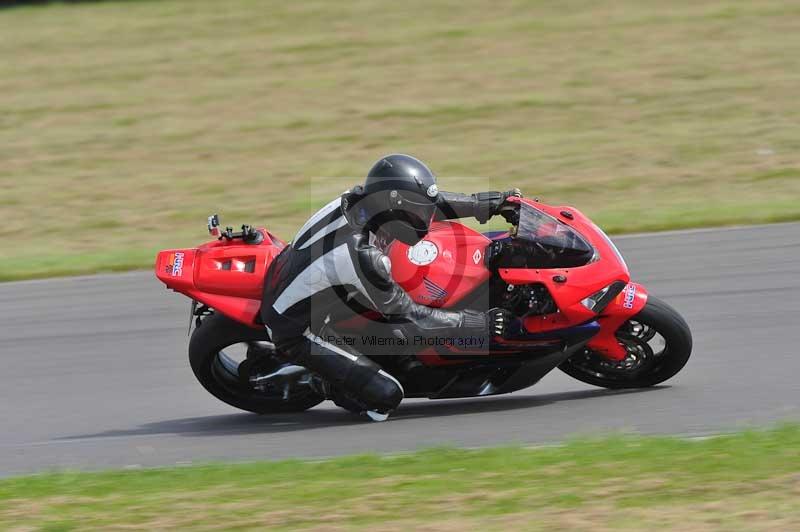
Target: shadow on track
x: 244, y: 423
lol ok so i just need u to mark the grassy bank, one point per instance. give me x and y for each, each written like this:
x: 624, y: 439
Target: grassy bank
x: 744, y: 481
x: 123, y: 124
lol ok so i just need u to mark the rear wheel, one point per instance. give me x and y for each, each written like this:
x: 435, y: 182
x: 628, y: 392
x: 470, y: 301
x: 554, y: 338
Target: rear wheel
x: 658, y: 344
x: 228, y: 358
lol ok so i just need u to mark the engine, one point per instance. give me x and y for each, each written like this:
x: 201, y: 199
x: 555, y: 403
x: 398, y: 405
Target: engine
x: 522, y: 300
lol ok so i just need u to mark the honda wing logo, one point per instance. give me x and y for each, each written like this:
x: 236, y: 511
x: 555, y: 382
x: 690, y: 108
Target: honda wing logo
x: 435, y: 291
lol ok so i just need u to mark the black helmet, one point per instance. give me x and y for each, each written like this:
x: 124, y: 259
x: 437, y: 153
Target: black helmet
x: 397, y: 201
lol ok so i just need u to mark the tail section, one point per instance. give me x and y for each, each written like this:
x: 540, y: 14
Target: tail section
x: 227, y: 275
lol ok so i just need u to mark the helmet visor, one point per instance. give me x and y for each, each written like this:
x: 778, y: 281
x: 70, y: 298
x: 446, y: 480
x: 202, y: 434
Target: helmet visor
x: 408, y: 216
x: 417, y: 210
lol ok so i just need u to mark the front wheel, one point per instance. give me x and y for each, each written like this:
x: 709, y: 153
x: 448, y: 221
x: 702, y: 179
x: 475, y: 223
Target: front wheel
x: 228, y: 357
x: 658, y: 344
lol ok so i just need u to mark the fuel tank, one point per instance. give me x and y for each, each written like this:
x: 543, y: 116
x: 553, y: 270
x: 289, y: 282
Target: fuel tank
x: 444, y: 267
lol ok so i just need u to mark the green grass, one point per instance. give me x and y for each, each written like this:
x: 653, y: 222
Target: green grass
x: 743, y: 481
x: 124, y: 124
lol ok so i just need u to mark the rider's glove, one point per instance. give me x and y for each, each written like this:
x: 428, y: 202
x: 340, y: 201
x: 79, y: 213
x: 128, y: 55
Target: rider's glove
x: 509, y: 210
x: 498, y: 321
x: 494, y: 323
x: 487, y: 204
x: 514, y: 192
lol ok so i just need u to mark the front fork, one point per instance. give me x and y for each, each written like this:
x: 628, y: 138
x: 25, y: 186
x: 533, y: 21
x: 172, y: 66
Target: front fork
x: 627, y: 304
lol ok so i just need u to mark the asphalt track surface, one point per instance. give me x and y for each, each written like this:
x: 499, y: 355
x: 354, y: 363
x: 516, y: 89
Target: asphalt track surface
x: 95, y: 373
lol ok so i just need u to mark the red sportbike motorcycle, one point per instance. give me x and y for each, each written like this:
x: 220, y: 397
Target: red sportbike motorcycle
x: 555, y: 270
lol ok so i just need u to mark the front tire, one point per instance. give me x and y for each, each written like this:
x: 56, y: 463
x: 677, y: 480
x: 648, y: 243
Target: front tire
x: 221, y: 376
x: 649, y: 361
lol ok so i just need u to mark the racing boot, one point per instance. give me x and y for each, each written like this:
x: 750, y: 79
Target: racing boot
x: 355, y: 375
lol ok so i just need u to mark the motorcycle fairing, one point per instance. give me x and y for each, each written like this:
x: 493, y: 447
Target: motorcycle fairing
x: 226, y: 275
x: 627, y: 304
x: 516, y: 374
x: 569, y: 286
x: 452, y: 269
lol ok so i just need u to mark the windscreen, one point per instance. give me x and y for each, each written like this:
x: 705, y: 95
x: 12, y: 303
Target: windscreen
x: 551, y: 242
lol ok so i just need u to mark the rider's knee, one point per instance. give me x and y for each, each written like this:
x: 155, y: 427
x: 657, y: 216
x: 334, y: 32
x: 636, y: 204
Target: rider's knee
x: 382, y: 392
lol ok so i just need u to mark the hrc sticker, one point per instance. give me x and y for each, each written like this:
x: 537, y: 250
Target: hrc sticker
x: 174, y: 265
x: 630, y: 296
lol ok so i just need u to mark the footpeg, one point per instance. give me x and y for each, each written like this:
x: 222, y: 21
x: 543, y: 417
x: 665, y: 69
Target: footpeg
x: 285, y: 378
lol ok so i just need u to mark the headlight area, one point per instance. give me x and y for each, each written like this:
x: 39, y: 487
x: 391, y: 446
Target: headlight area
x: 600, y: 299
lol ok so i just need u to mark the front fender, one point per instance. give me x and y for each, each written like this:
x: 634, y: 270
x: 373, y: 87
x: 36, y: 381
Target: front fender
x: 627, y: 304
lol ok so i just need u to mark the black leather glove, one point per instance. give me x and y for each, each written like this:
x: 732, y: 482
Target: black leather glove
x: 487, y: 204
x: 510, y: 210
x: 498, y: 320
x: 514, y: 192
x: 494, y: 323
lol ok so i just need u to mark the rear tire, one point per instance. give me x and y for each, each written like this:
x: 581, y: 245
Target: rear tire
x: 644, y: 366
x: 215, y: 333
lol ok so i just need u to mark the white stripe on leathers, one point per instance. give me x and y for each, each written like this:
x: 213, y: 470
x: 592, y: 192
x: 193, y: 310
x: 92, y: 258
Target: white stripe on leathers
x: 330, y: 228
x: 334, y: 268
x: 327, y: 345
x: 319, y: 215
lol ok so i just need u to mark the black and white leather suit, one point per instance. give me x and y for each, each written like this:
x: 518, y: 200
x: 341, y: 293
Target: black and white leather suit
x: 333, y: 262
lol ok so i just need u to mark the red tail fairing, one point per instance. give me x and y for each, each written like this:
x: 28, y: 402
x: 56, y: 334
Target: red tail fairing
x: 227, y: 275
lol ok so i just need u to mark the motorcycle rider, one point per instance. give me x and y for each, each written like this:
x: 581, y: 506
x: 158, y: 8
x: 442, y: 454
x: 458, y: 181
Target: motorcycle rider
x: 337, y: 258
